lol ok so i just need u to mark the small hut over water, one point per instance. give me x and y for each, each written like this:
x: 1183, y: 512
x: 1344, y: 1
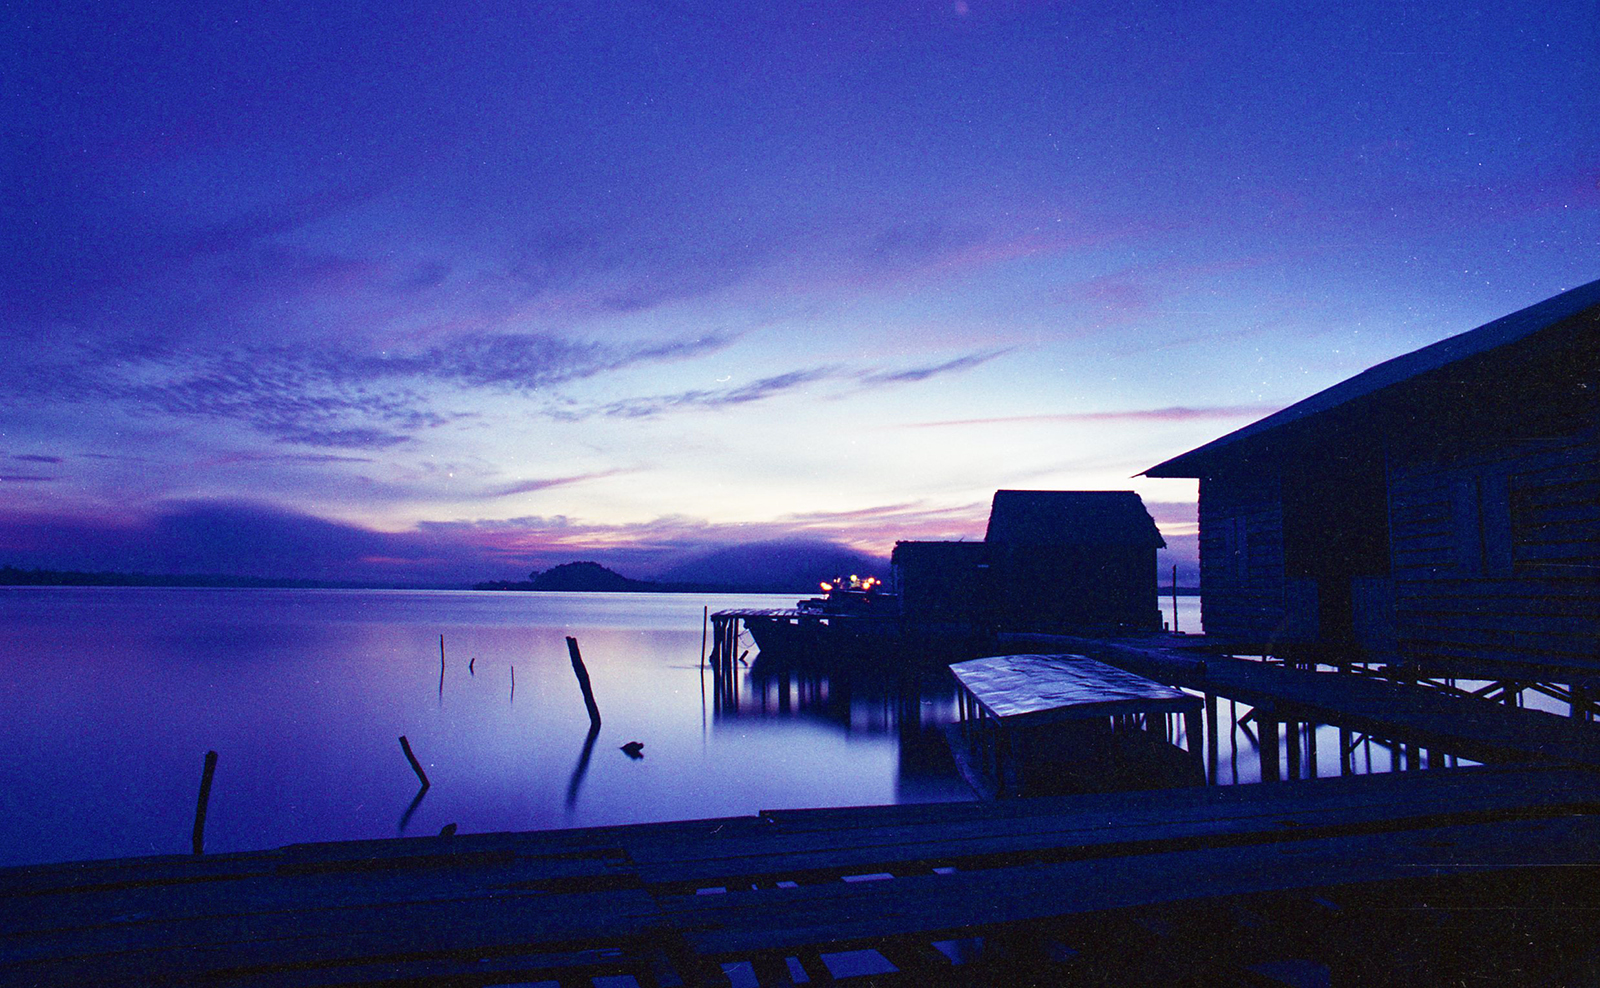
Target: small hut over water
x: 1439, y: 511
x: 1080, y: 561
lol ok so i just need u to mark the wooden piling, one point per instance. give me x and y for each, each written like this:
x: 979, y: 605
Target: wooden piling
x: 199, y: 839
x: 1213, y: 743
x: 416, y: 766
x: 1267, y: 728
x: 1174, y: 598
x: 583, y: 680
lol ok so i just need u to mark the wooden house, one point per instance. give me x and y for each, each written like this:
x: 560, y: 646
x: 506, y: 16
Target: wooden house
x: 1073, y: 561
x: 942, y: 582
x: 1079, y: 561
x: 1440, y: 510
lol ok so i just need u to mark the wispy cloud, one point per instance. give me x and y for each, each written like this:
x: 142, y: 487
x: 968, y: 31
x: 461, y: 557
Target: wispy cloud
x: 332, y: 396
x: 543, y: 484
x: 915, y: 374
x: 25, y: 478
x: 844, y: 378
x: 35, y: 458
x: 1175, y: 413
x: 744, y: 394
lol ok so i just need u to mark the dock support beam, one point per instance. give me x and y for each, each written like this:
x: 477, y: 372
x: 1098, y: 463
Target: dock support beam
x: 1267, y: 729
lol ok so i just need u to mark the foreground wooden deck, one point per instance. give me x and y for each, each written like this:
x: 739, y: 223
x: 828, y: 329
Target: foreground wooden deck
x: 1343, y: 880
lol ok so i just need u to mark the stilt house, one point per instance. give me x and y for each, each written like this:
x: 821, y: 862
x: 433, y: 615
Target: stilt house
x: 1080, y: 561
x: 1440, y: 510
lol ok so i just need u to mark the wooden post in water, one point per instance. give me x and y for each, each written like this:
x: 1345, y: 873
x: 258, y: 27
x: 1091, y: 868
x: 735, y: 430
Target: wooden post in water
x: 705, y: 615
x: 1213, y: 744
x: 583, y: 680
x: 1267, y: 730
x: 416, y: 766
x: 1174, y: 598
x: 205, y: 797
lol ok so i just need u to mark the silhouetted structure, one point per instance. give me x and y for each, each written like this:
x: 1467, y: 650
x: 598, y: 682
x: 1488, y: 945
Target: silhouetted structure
x: 943, y: 582
x: 1050, y: 561
x: 1439, y: 511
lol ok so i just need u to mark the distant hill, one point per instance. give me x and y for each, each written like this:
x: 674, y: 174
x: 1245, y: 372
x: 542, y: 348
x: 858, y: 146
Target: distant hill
x: 585, y: 576
x: 776, y: 566
x: 783, y: 566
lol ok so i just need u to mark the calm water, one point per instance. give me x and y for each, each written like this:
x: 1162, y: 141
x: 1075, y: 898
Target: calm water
x: 112, y: 696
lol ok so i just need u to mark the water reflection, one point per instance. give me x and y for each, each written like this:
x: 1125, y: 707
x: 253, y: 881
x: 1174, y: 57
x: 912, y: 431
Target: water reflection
x: 914, y: 707
x: 917, y: 707
x: 582, y: 767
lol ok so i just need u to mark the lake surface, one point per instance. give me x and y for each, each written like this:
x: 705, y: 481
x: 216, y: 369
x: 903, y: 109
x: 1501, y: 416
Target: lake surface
x: 112, y: 696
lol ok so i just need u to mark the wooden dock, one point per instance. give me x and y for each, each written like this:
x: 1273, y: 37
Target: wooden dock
x: 1421, y: 717
x: 1004, y: 699
x: 1348, y: 880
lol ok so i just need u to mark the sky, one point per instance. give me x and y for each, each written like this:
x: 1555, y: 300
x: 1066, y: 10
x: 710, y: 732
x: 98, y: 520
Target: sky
x: 410, y: 292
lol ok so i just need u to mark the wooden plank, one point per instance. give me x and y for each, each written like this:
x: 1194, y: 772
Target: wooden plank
x: 157, y: 949
x: 858, y: 839
x: 791, y: 918
x: 83, y: 909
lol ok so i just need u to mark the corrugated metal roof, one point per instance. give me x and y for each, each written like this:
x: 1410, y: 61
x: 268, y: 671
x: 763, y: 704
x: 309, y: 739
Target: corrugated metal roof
x: 1071, y: 518
x: 1051, y: 687
x: 1507, y: 329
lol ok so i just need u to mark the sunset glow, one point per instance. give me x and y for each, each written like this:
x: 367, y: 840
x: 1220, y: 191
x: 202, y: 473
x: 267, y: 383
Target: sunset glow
x: 452, y: 294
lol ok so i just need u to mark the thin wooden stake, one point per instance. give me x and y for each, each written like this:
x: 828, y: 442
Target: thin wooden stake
x: 205, y: 798
x: 1174, y: 598
x: 416, y: 766
x: 583, y: 680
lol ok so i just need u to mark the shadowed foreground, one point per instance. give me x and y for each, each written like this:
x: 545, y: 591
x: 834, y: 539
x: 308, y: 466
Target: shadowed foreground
x: 1369, y: 880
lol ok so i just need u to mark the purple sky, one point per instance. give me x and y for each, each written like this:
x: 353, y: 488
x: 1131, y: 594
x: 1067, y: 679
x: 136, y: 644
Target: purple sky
x: 402, y: 292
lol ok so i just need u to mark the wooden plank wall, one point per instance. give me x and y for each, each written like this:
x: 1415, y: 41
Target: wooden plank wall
x: 1497, y: 554
x: 1243, y: 585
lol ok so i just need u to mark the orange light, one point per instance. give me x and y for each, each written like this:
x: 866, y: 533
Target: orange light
x: 826, y: 585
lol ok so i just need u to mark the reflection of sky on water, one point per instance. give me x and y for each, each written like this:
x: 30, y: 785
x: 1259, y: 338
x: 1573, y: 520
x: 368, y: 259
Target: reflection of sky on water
x: 111, y: 698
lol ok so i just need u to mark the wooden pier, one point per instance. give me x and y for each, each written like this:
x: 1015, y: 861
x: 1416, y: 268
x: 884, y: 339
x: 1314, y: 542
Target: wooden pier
x: 1420, y: 718
x: 1004, y: 699
x: 1360, y: 880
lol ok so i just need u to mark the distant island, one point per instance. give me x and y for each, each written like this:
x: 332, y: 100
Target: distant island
x: 590, y: 577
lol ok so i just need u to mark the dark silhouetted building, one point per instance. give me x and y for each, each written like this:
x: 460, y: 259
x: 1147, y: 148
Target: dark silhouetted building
x: 1440, y: 510
x: 1069, y: 561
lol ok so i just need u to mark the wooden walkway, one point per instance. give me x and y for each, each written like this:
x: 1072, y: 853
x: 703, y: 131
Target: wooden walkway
x: 1230, y: 883
x: 1472, y: 728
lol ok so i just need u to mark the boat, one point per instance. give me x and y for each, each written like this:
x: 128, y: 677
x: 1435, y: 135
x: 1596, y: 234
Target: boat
x: 855, y: 620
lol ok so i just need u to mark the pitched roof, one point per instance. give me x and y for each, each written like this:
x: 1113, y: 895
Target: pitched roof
x: 938, y: 553
x: 1505, y: 330
x: 1071, y: 518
